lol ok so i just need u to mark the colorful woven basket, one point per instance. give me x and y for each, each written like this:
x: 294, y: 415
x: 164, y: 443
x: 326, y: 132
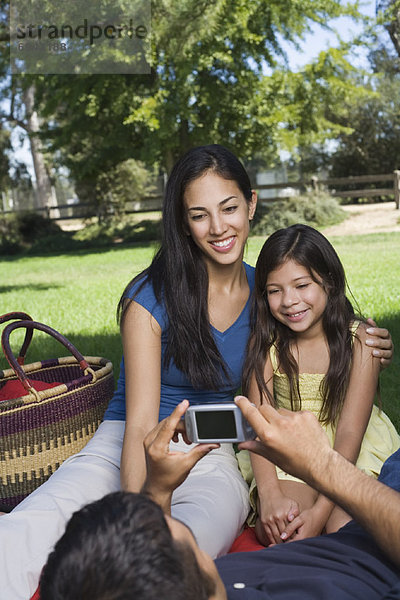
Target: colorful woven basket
x: 43, y: 427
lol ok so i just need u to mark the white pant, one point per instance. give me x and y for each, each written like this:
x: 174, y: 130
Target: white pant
x: 213, y: 502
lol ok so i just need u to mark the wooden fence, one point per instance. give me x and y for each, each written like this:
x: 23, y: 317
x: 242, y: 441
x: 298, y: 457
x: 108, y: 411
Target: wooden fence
x: 83, y: 210
x: 347, y: 185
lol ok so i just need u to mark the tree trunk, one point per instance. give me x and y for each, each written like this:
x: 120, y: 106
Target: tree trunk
x: 169, y: 160
x: 43, y: 183
x: 393, y: 30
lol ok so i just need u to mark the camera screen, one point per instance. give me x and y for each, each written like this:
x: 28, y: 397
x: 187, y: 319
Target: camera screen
x: 217, y: 425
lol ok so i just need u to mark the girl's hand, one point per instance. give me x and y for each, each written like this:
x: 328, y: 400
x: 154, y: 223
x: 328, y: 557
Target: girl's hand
x: 274, y: 516
x: 305, y: 526
x: 382, y: 343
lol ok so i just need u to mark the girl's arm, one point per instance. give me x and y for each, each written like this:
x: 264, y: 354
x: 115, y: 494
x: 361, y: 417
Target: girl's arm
x: 357, y: 407
x: 141, y: 338
x: 275, y: 510
x: 352, y: 423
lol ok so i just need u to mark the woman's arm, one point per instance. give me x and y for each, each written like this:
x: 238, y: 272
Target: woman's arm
x: 275, y: 510
x: 141, y: 338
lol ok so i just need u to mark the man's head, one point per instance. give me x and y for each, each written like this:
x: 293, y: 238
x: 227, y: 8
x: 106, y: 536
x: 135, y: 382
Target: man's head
x: 120, y: 548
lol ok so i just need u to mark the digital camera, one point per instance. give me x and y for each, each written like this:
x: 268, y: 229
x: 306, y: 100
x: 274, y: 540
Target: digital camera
x: 221, y: 423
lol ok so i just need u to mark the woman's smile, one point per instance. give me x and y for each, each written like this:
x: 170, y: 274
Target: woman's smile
x: 224, y: 245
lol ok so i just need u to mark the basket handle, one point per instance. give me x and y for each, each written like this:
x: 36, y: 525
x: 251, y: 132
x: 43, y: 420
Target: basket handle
x: 30, y: 325
x: 28, y: 335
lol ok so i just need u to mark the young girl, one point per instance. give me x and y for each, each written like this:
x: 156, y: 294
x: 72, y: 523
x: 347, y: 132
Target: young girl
x: 307, y: 351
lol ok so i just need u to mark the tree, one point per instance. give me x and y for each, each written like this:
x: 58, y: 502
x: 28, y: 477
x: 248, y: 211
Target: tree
x: 18, y: 93
x: 218, y: 75
x: 211, y: 59
x: 371, y: 143
x: 373, y: 146
x: 388, y: 12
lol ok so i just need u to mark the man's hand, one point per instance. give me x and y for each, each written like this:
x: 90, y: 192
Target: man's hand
x: 295, y: 441
x: 166, y: 470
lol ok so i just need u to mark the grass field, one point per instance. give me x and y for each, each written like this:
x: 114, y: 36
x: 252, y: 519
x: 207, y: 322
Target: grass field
x: 77, y: 294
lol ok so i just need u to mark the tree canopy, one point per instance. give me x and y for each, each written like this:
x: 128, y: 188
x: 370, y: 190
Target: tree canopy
x: 218, y: 75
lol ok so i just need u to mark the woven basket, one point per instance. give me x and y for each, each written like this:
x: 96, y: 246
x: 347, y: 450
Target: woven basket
x: 40, y: 429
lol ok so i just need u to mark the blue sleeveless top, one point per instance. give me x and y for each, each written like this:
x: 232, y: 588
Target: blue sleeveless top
x: 175, y: 386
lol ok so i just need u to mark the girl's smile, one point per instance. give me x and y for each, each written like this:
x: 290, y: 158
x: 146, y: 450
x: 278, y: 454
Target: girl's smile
x: 295, y: 298
x: 296, y: 317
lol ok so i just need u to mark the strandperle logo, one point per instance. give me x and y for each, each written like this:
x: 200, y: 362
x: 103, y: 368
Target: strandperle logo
x: 85, y: 31
x: 69, y: 38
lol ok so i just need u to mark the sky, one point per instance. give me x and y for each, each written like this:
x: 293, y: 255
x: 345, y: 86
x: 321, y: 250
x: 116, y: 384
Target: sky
x: 316, y: 41
x: 321, y: 39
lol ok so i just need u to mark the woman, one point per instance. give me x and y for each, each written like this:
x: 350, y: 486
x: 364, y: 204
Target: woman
x: 186, y: 316
x: 188, y: 343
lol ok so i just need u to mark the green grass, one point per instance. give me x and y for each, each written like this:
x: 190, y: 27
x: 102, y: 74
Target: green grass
x: 77, y: 294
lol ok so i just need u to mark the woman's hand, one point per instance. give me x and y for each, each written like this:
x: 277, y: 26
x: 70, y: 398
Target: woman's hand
x: 305, y: 526
x: 274, y: 516
x: 382, y: 343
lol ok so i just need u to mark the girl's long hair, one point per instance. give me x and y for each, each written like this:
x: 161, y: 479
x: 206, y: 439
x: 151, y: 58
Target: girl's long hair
x: 312, y: 250
x: 179, y: 275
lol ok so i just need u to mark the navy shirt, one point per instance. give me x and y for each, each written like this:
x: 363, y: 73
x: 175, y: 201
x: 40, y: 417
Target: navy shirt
x: 346, y: 565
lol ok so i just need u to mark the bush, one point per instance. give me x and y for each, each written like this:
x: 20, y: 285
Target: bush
x: 19, y: 231
x: 317, y: 209
x: 122, y: 230
x: 62, y: 242
x: 30, y: 233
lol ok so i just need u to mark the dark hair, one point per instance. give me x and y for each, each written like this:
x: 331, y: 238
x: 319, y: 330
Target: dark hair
x: 120, y: 548
x: 179, y: 275
x: 312, y: 250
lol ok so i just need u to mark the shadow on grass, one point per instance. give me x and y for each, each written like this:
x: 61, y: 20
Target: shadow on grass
x: 82, y: 250
x: 37, y: 287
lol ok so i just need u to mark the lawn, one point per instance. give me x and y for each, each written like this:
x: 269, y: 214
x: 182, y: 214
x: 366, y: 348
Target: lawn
x: 77, y: 294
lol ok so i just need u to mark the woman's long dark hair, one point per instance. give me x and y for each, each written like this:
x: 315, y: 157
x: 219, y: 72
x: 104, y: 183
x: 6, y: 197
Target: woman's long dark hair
x: 179, y: 275
x: 312, y: 250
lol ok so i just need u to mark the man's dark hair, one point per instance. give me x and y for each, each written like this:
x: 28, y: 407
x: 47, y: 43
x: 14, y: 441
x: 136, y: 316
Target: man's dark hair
x: 120, y: 548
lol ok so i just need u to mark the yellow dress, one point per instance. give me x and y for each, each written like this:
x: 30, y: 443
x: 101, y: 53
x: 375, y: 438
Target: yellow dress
x: 380, y: 439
